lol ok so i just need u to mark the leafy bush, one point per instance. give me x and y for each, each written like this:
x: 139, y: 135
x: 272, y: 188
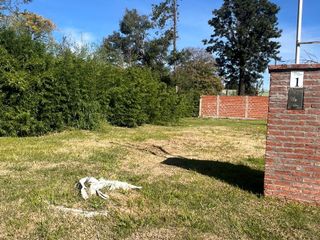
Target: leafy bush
x: 24, y: 63
x: 42, y: 92
x: 137, y: 97
x: 192, y: 101
x: 75, y: 91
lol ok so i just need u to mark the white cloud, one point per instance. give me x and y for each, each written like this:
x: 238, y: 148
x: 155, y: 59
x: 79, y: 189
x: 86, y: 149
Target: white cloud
x: 77, y: 37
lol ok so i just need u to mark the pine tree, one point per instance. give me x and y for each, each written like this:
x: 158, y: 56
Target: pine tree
x: 244, y: 41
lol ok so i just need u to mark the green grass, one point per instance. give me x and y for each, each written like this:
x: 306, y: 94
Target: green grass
x: 209, y: 188
x: 238, y: 125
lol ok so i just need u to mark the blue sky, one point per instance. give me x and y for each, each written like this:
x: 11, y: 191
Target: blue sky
x: 89, y: 21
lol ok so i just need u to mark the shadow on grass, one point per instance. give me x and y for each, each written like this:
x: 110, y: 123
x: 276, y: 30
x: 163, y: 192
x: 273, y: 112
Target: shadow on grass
x: 244, y: 177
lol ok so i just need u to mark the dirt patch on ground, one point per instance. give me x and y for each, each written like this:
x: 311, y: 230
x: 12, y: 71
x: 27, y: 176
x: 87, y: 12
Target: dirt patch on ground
x: 156, y: 234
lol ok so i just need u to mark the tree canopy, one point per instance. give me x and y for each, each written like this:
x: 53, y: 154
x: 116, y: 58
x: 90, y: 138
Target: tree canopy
x: 25, y: 21
x: 128, y: 44
x: 198, y: 72
x: 243, y: 39
x: 145, y: 40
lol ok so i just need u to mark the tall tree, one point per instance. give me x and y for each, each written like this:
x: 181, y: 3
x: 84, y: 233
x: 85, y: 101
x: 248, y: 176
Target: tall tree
x: 135, y: 43
x: 165, y: 16
x: 244, y: 41
x: 129, y: 42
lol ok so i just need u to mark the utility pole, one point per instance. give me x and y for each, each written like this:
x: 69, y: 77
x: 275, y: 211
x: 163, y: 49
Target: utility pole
x: 299, y: 29
x: 175, y: 19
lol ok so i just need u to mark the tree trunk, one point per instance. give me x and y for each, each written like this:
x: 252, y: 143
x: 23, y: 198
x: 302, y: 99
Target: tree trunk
x: 242, y: 86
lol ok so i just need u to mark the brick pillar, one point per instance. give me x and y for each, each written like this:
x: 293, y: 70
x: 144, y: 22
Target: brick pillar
x: 292, y: 168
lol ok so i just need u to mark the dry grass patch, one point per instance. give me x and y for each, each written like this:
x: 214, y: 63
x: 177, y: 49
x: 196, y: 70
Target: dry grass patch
x: 160, y: 234
x: 201, y: 179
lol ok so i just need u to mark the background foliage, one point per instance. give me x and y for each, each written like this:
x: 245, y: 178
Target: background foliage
x: 135, y: 76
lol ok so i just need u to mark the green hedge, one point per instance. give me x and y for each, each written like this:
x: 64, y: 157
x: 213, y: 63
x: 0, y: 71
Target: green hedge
x: 137, y: 97
x: 41, y: 92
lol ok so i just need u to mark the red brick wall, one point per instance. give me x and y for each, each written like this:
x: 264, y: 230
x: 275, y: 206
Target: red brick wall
x: 234, y: 107
x: 293, y: 143
x: 258, y: 107
x: 208, y: 106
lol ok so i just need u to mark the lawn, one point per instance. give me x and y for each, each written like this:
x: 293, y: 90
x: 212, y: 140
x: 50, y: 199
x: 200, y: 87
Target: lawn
x: 201, y: 179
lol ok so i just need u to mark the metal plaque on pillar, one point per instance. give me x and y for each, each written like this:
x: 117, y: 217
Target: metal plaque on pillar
x: 296, y: 99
